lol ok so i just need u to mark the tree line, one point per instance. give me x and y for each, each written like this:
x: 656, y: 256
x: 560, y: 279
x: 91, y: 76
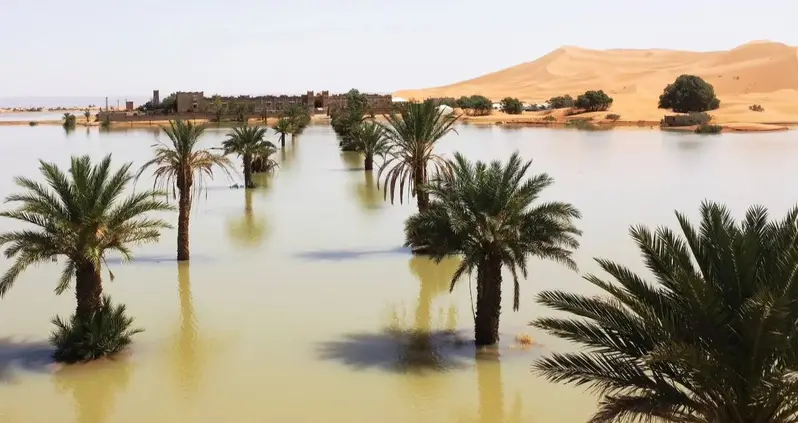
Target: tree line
x: 711, y: 338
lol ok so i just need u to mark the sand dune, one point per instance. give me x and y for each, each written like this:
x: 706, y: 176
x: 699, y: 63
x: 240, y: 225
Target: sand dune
x: 760, y: 72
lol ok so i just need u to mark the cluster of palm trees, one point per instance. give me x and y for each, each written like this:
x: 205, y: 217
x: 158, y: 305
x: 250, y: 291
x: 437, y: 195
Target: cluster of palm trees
x: 715, y: 339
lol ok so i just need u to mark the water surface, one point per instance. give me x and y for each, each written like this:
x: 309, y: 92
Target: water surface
x: 300, y: 306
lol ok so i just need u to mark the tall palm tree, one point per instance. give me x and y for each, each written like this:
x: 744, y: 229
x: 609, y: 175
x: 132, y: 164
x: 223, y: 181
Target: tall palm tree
x: 180, y: 169
x: 714, y: 339
x: 80, y: 215
x: 299, y: 117
x: 370, y: 140
x: 282, y: 127
x: 485, y: 214
x: 248, y: 142
x: 412, y: 134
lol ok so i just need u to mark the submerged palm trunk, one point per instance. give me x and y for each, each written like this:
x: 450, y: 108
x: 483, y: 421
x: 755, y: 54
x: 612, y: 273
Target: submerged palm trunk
x: 489, y: 299
x: 368, y: 162
x: 88, y: 289
x: 282, y: 141
x: 248, y: 171
x: 182, y: 224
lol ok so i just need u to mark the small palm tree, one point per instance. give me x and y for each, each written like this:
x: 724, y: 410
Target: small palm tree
x: 299, y: 118
x: 248, y: 142
x: 69, y: 121
x: 712, y: 340
x: 282, y: 128
x: 78, y: 215
x: 484, y: 213
x: 180, y: 169
x: 412, y: 135
x: 87, y: 115
x: 369, y: 140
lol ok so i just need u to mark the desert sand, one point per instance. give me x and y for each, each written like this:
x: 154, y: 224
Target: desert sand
x: 760, y: 72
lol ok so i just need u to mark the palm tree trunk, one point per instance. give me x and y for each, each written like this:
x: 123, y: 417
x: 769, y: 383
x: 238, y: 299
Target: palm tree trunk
x: 88, y: 289
x: 248, y: 171
x: 418, y: 181
x: 282, y: 141
x: 182, y: 224
x: 368, y: 162
x: 489, y: 299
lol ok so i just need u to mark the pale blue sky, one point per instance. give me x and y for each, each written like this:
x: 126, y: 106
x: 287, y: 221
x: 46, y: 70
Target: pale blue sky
x: 115, y: 47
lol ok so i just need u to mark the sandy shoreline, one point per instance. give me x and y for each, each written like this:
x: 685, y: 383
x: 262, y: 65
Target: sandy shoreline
x: 527, y: 119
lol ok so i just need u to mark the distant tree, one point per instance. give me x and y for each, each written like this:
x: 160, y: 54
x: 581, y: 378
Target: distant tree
x: 356, y: 100
x: 282, y: 128
x: 248, y: 142
x: 219, y: 108
x: 593, y: 101
x: 240, y: 112
x: 169, y: 104
x: 69, y: 120
x: 369, y: 140
x: 480, y: 105
x: 87, y: 115
x: 561, y: 102
x: 464, y: 102
x: 512, y: 106
x: 298, y: 116
x: 447, y: 101
x: 689, y: 93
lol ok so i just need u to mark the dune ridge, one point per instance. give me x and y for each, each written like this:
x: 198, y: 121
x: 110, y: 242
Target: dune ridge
x: 759, y: 72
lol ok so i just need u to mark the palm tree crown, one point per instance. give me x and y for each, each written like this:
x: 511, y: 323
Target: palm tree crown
x: 412, y: 135
x: 80, y: 215
x: 485, y: 214
x: 714, y: 340
x: 178, y: 166
x: 248, y: 142
x: 282, y: 128
x: 369, y: 139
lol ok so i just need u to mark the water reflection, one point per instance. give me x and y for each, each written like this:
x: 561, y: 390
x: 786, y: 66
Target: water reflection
x: 490, y: 390
x: 415, y: 347
x: 248, y: 231
x: 352, y: 160
x: 368, y: 196
x: 187, y: 363
x: 94, y: 387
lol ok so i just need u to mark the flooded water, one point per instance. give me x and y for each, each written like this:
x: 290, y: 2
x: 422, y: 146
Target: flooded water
x: 300, y: 306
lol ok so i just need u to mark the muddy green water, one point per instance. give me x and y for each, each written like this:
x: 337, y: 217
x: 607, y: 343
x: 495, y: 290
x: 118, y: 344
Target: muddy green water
x: 298, y: 299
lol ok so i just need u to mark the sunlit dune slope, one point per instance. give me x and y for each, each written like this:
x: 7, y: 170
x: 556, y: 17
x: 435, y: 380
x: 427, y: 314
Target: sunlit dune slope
x: 760, y: 72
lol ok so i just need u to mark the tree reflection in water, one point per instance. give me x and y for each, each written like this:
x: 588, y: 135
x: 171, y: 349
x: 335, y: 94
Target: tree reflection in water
x: 187, y: 364
x: 369, y: 197
x: 249, y: 231
x: 94, y: 387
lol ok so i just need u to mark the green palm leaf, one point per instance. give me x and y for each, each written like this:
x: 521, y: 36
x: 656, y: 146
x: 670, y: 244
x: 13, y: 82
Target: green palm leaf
x: 715, y: 339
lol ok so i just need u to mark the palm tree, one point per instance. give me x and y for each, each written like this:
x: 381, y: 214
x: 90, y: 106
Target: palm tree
x: 69, y: 121
x: 247, y: 142
x: 412, y: 135
x: 180, y: 169
x: 369, y: 140
x: 299, y: 118
x: 485, y: 214
x: 282, y: 127
x: 79, y: 215
x: 712, y: 340
x: 87, y: 115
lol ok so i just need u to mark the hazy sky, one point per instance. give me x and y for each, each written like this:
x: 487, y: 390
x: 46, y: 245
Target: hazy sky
x: 111, y: 47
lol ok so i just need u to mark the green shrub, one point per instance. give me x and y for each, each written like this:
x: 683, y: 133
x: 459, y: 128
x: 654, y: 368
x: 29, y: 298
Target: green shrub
x: 548, y: 118
x: 33, y: 123
x: 107, y: 332
x: 593, y: 101
x: 695, y: 118
x: 584, y: 124
x: 561, y: 102
x: 706, y: 128
x: 689, y: 93
x: 69, y: 120
x: 613, y: 117
x: 756, y: 108
x: 512, y: 106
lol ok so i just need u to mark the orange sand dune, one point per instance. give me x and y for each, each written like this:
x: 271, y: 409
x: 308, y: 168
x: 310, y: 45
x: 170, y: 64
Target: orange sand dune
x: 759, y: 72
